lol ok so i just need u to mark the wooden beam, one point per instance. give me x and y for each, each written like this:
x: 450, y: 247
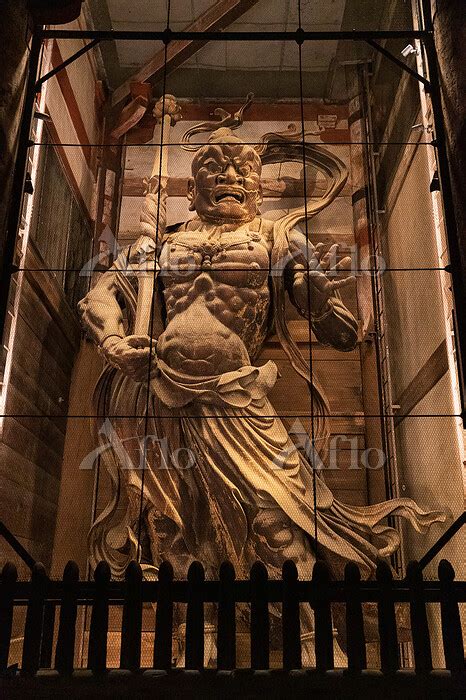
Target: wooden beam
x: 142, y: 133
x: 216, y: 18
x: 282, y: 187
x: 135, y: 110
x: 72, y: 106
x: 130, y: 116
x: 426, y: 378
x: 257, y: 112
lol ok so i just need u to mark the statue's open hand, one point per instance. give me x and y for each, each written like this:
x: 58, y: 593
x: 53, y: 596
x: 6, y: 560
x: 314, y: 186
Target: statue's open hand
x: 324, y: 277
x: 132, y: 355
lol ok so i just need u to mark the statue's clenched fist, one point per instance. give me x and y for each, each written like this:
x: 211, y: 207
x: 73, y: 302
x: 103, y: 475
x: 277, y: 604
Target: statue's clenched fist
x: 134, y: 355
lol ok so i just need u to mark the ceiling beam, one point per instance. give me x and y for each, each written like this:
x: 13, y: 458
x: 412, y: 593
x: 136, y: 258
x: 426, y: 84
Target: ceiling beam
x: 216, y: 18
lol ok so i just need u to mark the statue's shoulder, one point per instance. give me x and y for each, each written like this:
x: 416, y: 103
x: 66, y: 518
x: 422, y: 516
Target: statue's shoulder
x: 266, y: 230
x: 172, y: 230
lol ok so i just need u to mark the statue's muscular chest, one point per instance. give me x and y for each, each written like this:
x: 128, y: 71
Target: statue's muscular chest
x: 242, y: 255
x: 226, y: 272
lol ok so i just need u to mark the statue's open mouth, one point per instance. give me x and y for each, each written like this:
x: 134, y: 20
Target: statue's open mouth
x: 226, y: 195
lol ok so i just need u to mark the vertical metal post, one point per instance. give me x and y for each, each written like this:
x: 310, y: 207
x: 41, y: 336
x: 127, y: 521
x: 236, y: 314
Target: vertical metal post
x: 451, y: 228
x: 17, y: 191
x: 384, y: 380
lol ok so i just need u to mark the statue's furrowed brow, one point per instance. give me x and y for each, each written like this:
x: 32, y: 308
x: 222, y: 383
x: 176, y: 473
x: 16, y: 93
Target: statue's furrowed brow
x: 217, y: 160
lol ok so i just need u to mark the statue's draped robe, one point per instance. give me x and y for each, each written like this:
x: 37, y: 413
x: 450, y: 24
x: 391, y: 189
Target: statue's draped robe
x: 244, y: 458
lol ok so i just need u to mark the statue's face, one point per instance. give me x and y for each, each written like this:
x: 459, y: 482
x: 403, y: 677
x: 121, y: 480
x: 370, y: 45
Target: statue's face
x: 226, y: 183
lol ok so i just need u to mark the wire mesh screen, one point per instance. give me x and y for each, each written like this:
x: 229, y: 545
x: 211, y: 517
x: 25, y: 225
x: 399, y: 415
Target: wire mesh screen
x: 267, y: 368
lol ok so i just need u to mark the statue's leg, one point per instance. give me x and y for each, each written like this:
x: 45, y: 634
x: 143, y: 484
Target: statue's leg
x: 273, y: 539
x: 173, y: 548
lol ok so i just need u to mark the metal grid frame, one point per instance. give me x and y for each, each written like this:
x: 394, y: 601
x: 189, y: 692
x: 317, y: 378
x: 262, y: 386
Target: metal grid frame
x: 426, y: 37
x: 372, y: 37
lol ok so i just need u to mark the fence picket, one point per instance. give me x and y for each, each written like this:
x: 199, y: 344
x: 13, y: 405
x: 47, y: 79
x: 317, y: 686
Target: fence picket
x: 130, y: 650
x: 418, y: 616
x: 48, y: 628
x: 355, y: 639
x: 195, y: 617
x: 453, y: 646
x: 291, y: 631
x: 389, y: 651
x: 260, y: 624
x: 164, y: 618
x: 7, y: 591
x: 226, y: 624
x: 64, y: 653
x: 97, y: 650
x: 34, y: 619
x: 322, y: 617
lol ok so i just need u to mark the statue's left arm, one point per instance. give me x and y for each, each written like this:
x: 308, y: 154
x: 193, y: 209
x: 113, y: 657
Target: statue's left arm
x: 313, y: 286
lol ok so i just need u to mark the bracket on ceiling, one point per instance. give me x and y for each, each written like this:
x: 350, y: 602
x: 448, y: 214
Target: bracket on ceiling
x: 66, y: 63
x: 400, y: 64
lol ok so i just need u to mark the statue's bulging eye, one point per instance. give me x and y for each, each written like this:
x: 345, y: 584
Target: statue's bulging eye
x: 245, y: 169
x: 213, y: 167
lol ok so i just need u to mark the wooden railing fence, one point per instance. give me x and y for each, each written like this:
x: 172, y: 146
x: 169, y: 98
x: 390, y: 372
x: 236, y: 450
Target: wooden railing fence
x: 43, y: 597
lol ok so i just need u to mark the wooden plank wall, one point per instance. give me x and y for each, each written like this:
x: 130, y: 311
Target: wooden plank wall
x: 46, y: 340
x: 47, y: 334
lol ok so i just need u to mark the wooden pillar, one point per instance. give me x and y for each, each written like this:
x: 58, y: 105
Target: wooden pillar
x: 108, y: 194
x: 369, y: 375
x: 450, y: 41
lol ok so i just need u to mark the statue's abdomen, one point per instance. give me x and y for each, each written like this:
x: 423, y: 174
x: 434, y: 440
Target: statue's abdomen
x: 217, y: 301
x: 213, y: 327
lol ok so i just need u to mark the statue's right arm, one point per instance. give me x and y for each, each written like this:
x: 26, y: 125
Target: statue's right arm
x: 100, y: 311
x: 102, y: 316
